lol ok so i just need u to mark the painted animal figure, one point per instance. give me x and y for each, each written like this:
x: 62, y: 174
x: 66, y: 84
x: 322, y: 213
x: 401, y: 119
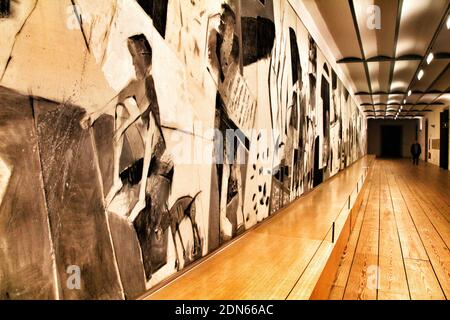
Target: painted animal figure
x: 154, y: 221
x: 184, y: 207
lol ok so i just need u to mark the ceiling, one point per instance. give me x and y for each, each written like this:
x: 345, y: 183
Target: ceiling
x: 382, y: 54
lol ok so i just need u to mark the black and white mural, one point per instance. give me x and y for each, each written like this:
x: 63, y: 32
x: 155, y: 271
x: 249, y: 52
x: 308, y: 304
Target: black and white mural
x: 138, y: 136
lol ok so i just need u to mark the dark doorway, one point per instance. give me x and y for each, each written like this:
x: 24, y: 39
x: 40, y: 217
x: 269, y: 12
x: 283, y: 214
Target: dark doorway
x: 391, y: 141
x: 443, y: 154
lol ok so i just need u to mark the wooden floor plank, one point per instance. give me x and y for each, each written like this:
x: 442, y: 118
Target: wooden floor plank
x: 337, y: 293
x: 363, y: 279
x: 409, y: 237
x: 412, y: 245
x: 423, y: 283
x: 390, y: 295
x: 392, y: 277
x: 429, y: 198
x: 392, y: 274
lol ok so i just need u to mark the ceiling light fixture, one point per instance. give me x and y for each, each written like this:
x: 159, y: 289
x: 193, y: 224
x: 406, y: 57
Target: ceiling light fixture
x: 420, y: 75
x: 430, y: 57
x: 448, y: 22
x: 409, y: 92
x: 404, y: 100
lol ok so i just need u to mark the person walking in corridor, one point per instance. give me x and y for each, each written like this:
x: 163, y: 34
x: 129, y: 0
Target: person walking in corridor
x: 416, y: 150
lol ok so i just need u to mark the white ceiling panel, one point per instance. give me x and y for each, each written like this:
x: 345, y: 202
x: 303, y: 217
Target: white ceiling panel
x: 428, y: 98
x: 379, y: 75
x: 403, y: 73
x: 419, y: 21
x: 358, y: 75
x: 377, y: 42
x: 443, y: 83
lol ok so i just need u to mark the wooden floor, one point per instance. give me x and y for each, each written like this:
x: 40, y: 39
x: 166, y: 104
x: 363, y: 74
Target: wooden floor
x: 276, y: 259
x: 399, y: 248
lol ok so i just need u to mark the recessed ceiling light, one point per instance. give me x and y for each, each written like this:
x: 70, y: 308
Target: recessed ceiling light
x: 404, y: 100
x: 430, y: 57
x: 409, y: 92
x: 448, y: 22
x: 420, y: 75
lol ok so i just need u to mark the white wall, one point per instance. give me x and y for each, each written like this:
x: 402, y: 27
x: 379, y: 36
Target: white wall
x: 433, y: 133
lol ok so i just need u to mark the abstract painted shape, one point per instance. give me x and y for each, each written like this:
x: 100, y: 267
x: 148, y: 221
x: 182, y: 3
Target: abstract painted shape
x: 258, y: 37
x: 11, y: 27
x: 26, y: 249
x: 5, y: 174
x: 77, y: 216
x: 157, y: 10
x: 5, y: 8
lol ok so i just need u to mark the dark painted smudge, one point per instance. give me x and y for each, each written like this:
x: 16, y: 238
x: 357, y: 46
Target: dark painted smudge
x: 157, y: 10
x: 258, y: 36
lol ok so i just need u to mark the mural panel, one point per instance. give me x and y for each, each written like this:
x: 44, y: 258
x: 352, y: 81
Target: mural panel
x: 153, y: 133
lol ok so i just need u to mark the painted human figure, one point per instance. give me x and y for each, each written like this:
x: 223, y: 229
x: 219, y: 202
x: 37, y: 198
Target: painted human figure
x: 335, y: 126
x: 224, y: 45
x: 224, y: 59
x: 309, y: 117
x: 231, y: 191
x: 295, y: 135
x: 136, y: 104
